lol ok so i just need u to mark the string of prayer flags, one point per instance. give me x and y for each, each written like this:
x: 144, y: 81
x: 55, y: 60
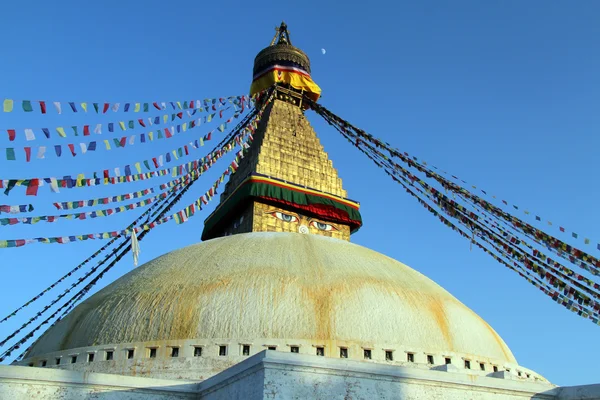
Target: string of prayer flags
x: 120, y: 142
x: 516, y: 207
x: 41, y: 106
x: 93, y: 256
x: 82, y: 215
x: 551, y: 242
x: 180, y: 216
x: 72, y: 205
x: 73, y: 301
x: 15, y: 209
x: 81, y: 180
x: 30, y: 134
x: 552, y: 279
x: 572, y: 296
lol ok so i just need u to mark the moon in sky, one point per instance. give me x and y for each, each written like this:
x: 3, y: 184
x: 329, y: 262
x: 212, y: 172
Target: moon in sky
x: 323, y: 51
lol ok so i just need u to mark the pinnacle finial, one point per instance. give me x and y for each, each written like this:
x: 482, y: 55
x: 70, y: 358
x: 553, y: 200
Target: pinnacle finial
x: 282, y: 35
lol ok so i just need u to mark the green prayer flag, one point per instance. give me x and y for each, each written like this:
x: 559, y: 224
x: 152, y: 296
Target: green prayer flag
x: 131, y: 125
x: 10, y: 153
x: 75, y: 130
x: 27, y: 106
x: 160, y: 135
x: 96, y: 107
x: 145, y: 107
x: 146, y: 164
x: 180, y: 152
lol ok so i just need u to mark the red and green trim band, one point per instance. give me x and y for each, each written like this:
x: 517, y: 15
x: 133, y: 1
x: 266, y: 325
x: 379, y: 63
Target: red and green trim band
x: 326, y: 206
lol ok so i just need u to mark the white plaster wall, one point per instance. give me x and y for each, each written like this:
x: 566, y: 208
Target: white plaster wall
x: 278, y: 375
x: 186, y: 366
x: 292, y: 376
x: 27, y: 383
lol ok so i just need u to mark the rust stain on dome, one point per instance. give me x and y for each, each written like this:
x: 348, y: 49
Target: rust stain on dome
x: 276, y: 285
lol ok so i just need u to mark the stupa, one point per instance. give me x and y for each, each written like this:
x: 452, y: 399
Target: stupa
x: 277, y: 282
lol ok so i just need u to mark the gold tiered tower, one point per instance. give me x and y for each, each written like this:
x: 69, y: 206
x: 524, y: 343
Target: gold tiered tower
x: 286, y: 183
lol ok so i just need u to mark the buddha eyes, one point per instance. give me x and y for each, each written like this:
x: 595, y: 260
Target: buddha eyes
x: 285, y: 217
x: 322, y: 226
x: 293, y: 218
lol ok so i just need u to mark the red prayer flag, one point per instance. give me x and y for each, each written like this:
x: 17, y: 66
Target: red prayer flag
x: 86, y: 130
x: 167, y: 133
x: 72, y: 148
x: 43, y: 107
x: 123, y: 141
x: 562, y: 229
x: 106, y: 176
x: 209, y: 135
x: 156, y: 106
x: 28, y: 154
x: 221, y: 113
x: 11, y: 134
x: 155, y: 162
x: 186, y: 150
x: 141, y: 121
x: 105, y: 109
x: 32, y: 188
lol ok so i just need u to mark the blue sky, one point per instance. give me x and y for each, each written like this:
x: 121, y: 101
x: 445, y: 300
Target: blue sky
x: 504, y: 95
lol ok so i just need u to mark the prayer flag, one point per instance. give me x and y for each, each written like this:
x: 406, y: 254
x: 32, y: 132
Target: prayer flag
x: 11, y: 134
x: 10, y: 153
x: 8, y: 105
x: 58, y: 107
x: 27, y: 106
x: 43, y: 107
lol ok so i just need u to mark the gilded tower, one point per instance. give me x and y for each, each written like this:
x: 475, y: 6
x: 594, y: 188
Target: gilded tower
x: 286, y: 182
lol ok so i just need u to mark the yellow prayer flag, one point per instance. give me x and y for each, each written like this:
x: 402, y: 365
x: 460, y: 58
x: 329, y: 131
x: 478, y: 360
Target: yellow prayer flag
x: 174, y: 172
x: 61, y: 131
x: 137, y: 107
x: 184, y: 126
x: 138, y: 167
x: 165, y: 118
x: 84, y: 106
x: 179, y: 105
x: 8, y: 105
x: 175, y: 155
x: 122, y: 125
x: 151, y: 135
x: 106, y: 142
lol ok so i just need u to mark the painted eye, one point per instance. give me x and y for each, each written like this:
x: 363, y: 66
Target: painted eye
x: 322, y: 226
x: 285, y: 217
